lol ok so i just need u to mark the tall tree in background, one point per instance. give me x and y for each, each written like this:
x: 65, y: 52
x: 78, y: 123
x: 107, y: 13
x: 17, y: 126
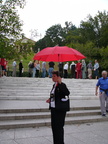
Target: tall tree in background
x: 72, y: 34
x: 95, y: 29
x: 10, y: 27
x: 54, y: 35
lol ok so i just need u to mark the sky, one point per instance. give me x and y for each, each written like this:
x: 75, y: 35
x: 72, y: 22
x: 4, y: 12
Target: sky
x: 39, y: 15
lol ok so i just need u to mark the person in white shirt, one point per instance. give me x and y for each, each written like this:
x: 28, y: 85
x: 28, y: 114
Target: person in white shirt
x: 96, y: 69
x: 72, y: 69
x: 14, y: 68
x: 66, y: 70
x: 37, y: 69
x: 58, y: 94
x: 43, y: 69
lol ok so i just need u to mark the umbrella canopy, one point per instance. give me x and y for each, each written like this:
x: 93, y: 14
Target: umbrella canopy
x: 58, y: 54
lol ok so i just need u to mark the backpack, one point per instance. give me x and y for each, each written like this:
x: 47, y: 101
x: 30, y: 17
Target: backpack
x: 32, y: 65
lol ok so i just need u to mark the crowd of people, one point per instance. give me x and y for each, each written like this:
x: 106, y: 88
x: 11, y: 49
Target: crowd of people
x: 78, y: 70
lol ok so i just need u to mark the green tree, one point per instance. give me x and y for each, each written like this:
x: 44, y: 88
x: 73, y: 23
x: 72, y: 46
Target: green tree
x: 40, y: 44
x: 72, y: 35
x: 54, y: 36
x: 10, y: 27
x: 95, y: 29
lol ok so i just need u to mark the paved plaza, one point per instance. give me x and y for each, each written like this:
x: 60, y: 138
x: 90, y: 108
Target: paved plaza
x: 95, y: 133
x: 27, y: 93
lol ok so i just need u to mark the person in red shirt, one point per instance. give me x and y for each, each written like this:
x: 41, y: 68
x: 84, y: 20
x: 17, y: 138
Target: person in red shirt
x: 3, y: 64
x: 5, y: 67
x: 78, y: 70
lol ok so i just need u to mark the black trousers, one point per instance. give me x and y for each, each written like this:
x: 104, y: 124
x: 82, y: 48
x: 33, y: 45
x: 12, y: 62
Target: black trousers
x: 65, y: 73
x: 20, y: 73
x: 57, y: 124
x: 37, y: 73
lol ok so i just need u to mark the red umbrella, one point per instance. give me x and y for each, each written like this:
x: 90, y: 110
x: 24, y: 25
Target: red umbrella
x: 58, y: 54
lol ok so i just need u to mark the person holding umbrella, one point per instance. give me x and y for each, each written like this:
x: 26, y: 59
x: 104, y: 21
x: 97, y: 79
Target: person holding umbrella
x: 57, y: 98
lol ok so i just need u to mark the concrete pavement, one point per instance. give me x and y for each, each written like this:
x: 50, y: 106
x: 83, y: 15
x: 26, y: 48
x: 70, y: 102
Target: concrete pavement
x: 95, y: 133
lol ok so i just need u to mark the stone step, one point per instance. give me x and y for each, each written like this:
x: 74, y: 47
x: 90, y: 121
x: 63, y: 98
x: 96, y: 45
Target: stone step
x: 41, y: 115
x: 34, y: 89
x: 46, y: 122
x: 31, y: 110
x: 46, y: 97
x: 41, y: 94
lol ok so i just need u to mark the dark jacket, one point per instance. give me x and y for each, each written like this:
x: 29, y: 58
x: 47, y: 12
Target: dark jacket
x: 61, y: 91
x: 20, y: 66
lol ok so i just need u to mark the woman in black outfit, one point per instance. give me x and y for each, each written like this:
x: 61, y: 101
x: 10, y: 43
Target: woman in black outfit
x: 57, y: 95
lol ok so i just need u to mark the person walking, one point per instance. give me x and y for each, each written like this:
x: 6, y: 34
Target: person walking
x: 66, y: 70
x: 20, y: 68
x: 51, y: 68
x: 83, y: 69
x: 43, y: 69
x: 96, y: 69
x: 57, y: 94
x: 102, y: 84
x: 14, y: 68
x: 72, y: 69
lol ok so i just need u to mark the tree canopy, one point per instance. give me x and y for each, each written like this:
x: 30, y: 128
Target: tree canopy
x: 10, y: 27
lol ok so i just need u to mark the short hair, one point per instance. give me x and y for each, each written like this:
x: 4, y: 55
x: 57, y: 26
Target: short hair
x: 57, y: 73
x: 104, y: 71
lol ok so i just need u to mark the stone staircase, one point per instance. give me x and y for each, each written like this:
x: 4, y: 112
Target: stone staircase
x: 24, y: 118
x: 37, y: 89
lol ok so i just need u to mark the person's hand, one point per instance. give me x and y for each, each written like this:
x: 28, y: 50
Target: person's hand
x: 96, y: 93
x: 59, y: 80
x: 48, y: 101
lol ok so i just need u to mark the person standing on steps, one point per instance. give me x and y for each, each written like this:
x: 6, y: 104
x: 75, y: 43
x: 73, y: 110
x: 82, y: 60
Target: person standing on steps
x: 38, y: 69
x: 14, y: 68
x: 43, y: 69
x: 89, y: 70
x: 34, y: 68
x: 58, y: 111
x: 83, y: 68
x: 66, y: 66
x: 102, y: 84
x: 20, y: 68
x: 96, y: 69
x: 60, y: 67
x: 78, y: 70
x: 51, y: 68
x: 72, y: 69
